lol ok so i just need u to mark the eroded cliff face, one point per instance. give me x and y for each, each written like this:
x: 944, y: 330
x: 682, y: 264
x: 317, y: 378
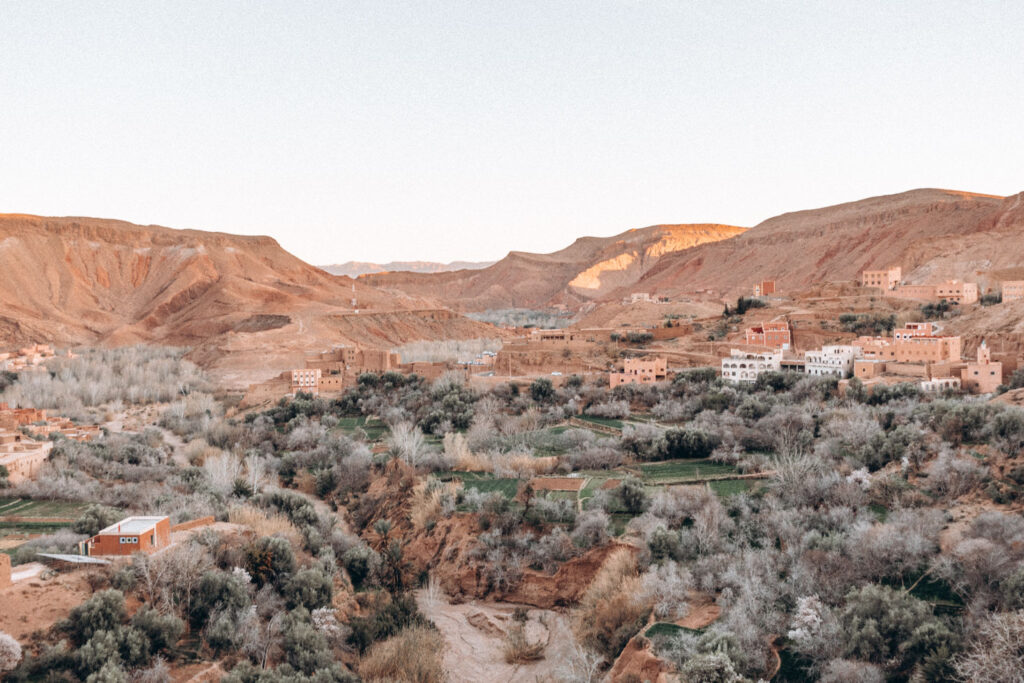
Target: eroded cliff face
x: 589, y: 268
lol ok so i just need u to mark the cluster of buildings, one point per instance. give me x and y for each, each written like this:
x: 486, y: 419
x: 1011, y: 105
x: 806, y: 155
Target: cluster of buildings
x: 22, y: 455
x: 332, y: 372
x: 644, y: 298
x: 914, y: 353
x: 890, y: 281
x: 26, y: 358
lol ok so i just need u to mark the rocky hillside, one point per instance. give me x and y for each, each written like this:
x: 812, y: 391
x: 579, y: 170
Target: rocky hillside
x: 932, y: 234
x: 590, y: 268
x: 73, y: 281
x: 357, y: 268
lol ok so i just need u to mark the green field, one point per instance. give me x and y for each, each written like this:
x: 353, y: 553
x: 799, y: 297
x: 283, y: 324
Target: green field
x: 683, y: 470
x: 604, y: 421
x: 730, y: 487
x: 43, y: 510
x: 375, y: 429
x: 21, y: 507
x: 485, y: 483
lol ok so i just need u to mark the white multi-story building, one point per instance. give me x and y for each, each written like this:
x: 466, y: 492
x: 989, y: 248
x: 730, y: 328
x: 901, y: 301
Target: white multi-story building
x: 306, y: 381
x: 745, y: 366
x: 832, y: 360
x: 940, y: 384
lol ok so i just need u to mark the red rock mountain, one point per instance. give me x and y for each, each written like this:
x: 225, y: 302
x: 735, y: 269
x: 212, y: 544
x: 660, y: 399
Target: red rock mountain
x: 590, y: 268
x: 932, y: 234
x: 239, y: 302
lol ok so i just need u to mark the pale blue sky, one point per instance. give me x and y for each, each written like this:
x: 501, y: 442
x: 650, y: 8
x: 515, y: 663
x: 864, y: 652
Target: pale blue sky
x: 378, y: 130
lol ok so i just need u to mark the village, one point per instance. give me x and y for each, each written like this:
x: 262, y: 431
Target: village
x: 770, y: 339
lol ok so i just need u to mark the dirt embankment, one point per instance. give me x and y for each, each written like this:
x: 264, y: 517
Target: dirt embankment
x: 447, y: 548
x: 36, y: 604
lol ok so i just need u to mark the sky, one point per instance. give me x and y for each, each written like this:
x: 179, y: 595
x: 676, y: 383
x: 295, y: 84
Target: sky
x: 378, y: 130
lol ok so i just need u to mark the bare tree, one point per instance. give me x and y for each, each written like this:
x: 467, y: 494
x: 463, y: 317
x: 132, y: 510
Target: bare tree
x: 995, y: 655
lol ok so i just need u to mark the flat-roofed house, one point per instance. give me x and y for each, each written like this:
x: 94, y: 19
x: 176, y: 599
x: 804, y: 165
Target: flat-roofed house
x: 1013, y: 290
x: 885, y: 280
x: 640, y: 371
x: 775, y: 334
x: 984, y: 375
x: 129, y: 536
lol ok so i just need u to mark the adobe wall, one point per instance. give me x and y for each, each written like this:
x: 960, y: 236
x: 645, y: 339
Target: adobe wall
x: 194, y: 524
x: 5, y: 570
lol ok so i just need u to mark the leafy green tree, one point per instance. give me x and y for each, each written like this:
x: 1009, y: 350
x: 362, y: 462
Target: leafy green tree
x: 542, y: 390
x: 632, y: 495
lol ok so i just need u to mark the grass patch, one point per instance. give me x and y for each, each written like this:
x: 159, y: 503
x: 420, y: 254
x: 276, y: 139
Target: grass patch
x: 374, y: 429
x: 879, y: 511
x: 730, y: 487
x: 667, y: 629
x: 603, y: 421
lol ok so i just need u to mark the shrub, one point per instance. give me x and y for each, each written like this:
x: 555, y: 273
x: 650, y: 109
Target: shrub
x: 102, y: 612
x: 591, y: 528
x: 400, y: 613
x: 218, y: 592
x: 10, y: 653
x: 710, y: 667
x: 632, y: 495
x: 612, y: 609
x: 310, y: 588
x: 361, y: 562
x: 688, y: 443
x: 305, y: 648
x: 95, y: 519
x: 269, y: 560
x: 517, y: 648
x: 412, y: 655
x: 163, y: 630
x: 891, y: 628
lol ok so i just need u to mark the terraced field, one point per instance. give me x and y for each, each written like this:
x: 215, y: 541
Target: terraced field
x: 22, y: 507
x: 21, y: 519
x: 683, y: 470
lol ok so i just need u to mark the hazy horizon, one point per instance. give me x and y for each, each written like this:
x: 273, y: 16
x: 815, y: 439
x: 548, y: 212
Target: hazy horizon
x: 461, y: 131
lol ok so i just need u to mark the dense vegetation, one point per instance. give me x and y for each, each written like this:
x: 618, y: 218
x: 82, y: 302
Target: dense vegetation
x: 840, y: 554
